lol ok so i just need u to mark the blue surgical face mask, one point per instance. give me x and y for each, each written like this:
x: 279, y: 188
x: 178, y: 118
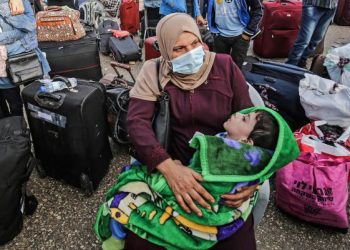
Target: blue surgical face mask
x: 190, y: 62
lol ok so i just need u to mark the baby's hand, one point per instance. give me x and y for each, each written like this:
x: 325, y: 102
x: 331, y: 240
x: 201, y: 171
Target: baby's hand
x: 16, y: 7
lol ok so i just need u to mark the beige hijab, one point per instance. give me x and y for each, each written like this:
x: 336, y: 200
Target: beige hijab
x: 168, y: 30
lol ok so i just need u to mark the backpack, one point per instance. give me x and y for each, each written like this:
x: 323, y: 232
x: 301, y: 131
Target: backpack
x: 92, y: 13
x: 104, y: 33
x: 16, y: 163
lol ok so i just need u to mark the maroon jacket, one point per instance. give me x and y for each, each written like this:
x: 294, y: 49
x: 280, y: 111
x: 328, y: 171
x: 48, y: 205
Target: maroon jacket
x: 204, y: 109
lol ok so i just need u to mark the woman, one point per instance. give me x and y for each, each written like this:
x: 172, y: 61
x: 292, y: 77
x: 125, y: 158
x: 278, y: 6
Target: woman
x: 204, y: 88
x: 17, y: 22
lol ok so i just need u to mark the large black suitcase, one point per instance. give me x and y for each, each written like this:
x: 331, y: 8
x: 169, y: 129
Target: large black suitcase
x: 69, y: 130
x: 124, y: 49
x: 279, y: 83
x: 16, y: 164
x: 78, y: 58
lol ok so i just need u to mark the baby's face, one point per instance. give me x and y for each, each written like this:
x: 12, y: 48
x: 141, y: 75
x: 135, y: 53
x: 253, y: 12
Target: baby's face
x: 239, y: 126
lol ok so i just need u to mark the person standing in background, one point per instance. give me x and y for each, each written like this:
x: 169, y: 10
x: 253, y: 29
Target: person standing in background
x: 234, y: 24
x: 17, y: 22
x: 190, y: 7
x: 316, y: 17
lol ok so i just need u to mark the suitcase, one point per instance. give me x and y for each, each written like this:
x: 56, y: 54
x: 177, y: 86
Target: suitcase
x: 78, y: 58
x: 124, y: 49
x: 69, y: 131
x: 16, y: 163
x: 342, y: 16
x: 280, y: 27
x: 105, y: 32
x: 129, y: 16
x: 151, y: 48
x: 280, y: 82
x: 69, y: 3
x: 116, y: 86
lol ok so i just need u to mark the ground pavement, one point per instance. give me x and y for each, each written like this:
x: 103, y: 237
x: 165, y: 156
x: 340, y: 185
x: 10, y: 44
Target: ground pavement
x: 64, y: 217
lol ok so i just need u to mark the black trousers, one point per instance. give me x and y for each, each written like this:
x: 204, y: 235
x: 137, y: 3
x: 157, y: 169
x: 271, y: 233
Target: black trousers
x: 236, y: 46
x: 11, y: 102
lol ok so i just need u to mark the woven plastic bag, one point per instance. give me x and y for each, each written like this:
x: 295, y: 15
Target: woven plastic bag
x: 314, y: 188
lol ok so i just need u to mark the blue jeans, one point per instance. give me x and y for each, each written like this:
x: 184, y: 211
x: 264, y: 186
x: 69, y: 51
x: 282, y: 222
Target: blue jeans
x: 314, y: 24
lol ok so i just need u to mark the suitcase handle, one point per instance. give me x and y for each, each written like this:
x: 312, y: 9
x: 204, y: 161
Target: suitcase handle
x: 49, y: 100
x: 116, y: 65
x: 62, y: 79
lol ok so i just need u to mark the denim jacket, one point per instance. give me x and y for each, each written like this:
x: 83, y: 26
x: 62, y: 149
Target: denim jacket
x: 171, y: 6
x: 250, y: 13
x: 19, y: 35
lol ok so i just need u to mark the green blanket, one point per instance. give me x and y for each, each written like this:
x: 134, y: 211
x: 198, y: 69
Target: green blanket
x: 146, y: 205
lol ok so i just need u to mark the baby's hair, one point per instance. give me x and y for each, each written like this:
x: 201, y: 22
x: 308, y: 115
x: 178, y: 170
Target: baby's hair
x: 265, y: 132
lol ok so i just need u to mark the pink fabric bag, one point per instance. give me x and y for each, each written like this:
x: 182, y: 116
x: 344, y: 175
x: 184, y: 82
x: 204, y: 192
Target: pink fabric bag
x: 314, y: 188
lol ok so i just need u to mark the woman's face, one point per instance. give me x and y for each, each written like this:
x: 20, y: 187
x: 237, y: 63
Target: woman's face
x: 184, y: 43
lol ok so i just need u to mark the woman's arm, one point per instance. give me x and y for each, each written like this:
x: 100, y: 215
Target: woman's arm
x: 182, y: 180
x: 23, y: 23
x: 139, y: 124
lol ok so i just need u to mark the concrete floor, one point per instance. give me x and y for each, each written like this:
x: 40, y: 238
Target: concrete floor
x: 64, y: 217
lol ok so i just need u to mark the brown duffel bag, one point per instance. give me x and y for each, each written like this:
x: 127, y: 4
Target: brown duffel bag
x: 58, y: 25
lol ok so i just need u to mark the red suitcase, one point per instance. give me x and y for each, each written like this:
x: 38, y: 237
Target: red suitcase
x: 152, y: 49
x: 342, y: 16
x: 280, y: 27
x: 129, y: 16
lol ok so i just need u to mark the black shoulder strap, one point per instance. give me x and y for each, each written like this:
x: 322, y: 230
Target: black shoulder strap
x: 158, y: 65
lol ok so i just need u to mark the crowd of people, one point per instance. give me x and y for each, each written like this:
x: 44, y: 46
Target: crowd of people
x: 205, y: 89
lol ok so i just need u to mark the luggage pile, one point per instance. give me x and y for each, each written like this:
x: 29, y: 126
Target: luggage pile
x: 314, y: 187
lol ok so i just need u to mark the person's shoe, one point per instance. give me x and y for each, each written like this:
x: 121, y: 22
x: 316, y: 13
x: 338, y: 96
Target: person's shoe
x: 302, y: 63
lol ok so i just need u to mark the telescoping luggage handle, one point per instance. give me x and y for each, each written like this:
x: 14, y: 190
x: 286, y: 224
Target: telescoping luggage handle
x: 116, y: 65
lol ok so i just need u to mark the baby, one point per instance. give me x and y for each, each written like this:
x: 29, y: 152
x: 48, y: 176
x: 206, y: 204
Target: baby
x: 256, y: 142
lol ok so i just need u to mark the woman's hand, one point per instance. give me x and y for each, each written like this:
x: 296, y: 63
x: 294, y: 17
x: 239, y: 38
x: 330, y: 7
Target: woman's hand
x: 243, y: 194
x: 201, y: 21
x: 16, y: 7
x: 183, y: 181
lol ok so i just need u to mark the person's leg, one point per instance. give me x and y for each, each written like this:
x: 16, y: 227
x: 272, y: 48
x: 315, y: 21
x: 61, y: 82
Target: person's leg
x: 309, y: 21
x: 14, y: 100
x: 239, y: 50
x: 243, y: 239
x: 222, y: 44
x: 320, y: 31
x: 261, y: 203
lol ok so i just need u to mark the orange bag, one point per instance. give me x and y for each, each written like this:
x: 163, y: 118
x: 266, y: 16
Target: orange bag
x: 58, y: 25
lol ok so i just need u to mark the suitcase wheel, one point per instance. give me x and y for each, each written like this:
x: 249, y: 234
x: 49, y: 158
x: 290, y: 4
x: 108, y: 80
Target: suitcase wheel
x: 86, y: 185
x: 40, y: 170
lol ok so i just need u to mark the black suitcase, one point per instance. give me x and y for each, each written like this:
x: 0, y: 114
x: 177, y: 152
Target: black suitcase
x: 280, y: 85
x: 69, y: 131
x: 78, y: 58
x: 16, y: 164
x: 69, y: 3
x: 105, y: 32
x: 124, y: 49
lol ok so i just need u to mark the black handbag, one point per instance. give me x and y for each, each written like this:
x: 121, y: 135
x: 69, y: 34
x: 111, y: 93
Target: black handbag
x: 117, y: 108
x: 24, y: 67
